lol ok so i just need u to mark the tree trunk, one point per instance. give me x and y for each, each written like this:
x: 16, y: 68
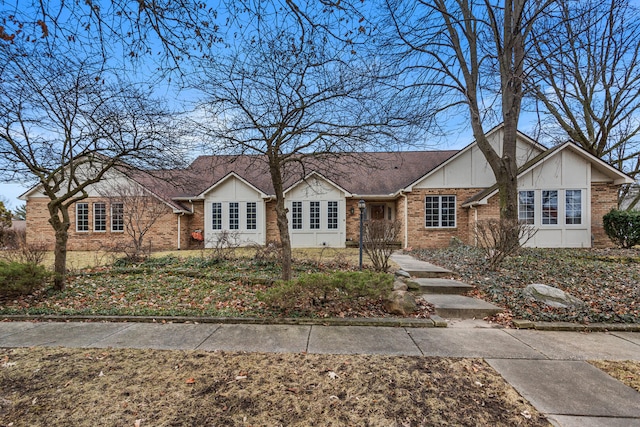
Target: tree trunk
x: 281, y: 217
x: 61, y: 228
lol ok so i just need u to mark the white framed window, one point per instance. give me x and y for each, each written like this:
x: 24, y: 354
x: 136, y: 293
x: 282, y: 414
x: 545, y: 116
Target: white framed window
x: 573, y: 207
x: 296, y: 220
x: 252, y: 216
x: 549, y: 207
x: 117, y: 217
x: 82, y: 216
x: 527, y: 206
x: 440, y: 211
x: 332, y: 215
x: 314, y: 215
x: 99, y: 217
x: 216, y: 216
x: 234, y: 216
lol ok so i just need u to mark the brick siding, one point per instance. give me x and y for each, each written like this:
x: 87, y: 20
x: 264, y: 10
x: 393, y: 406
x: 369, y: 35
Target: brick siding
x: 604, y: 197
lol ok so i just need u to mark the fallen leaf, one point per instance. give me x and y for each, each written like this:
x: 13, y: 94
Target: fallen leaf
x: 137, y: 423
x: 332, y: 375
x: 191, y: 381
x: 526, y: 414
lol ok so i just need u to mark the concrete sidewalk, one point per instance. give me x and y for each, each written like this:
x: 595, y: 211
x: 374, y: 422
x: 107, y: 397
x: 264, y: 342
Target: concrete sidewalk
x: 547, y: 368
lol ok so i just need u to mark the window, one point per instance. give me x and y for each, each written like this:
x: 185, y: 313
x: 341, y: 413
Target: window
x: 440, y: 211
x: 573, y: 207
x: 234, y: 217
x: 297, y: 216
x: 252, y: 223
x: 117, y: 217
x: 99, y: 217
x: 332, y: 215
x: 526, y: 206
x: 314, y: 215
x: 549, y: 207
x: 82, y: 216
x: 216, y: 216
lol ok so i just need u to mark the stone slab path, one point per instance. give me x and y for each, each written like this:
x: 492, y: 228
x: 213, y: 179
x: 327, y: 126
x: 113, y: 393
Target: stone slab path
x: 430, y: 283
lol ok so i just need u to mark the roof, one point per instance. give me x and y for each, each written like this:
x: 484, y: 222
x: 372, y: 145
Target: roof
x: 378, y: 173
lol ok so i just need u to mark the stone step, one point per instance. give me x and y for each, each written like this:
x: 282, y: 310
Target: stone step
x: 438, y: 286
x: 420, y: 269
x: 432, y: 272
x: 461, y: 307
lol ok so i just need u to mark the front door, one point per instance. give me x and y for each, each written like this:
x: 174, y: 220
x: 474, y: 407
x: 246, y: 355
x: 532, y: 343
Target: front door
x: 377, y: 211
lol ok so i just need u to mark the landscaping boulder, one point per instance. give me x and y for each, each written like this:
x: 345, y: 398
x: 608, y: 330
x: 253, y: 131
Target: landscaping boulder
x: 401, y: 303
x: 402, y: 274
x: 399, y: 285
x: 551, y: 296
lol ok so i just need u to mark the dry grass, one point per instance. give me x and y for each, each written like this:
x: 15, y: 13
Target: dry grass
x: 628, y: 372
x: 89, y: 387
x: 77, y: 260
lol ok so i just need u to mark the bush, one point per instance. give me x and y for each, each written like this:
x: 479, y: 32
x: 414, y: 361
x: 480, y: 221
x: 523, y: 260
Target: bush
x: 321, y: 289
x: 379, y: 240
x: 496, y: 238
x: 21, y: 278
x: 623, y: 227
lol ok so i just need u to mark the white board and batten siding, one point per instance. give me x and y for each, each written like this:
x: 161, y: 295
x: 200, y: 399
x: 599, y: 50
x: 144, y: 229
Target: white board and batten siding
x: 320, y: 192
x: 234, y: 190
x: 470, y: 169
x: 561, y: 172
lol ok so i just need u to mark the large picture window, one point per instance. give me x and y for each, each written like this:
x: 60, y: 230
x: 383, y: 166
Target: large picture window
x: 573, y: 207
x: 526, y: 206
x: 99, y: 217
x: 117, y: 217
x: 549, y: 207
x: 82, y: 216
x: 296, y: 222
x: 216, y: 216
x: 440, y: 211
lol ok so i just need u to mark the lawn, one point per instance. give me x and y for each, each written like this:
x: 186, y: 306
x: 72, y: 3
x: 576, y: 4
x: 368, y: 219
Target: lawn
x: 109, y: 387
x: 606, y: 280
x: 202, y: 284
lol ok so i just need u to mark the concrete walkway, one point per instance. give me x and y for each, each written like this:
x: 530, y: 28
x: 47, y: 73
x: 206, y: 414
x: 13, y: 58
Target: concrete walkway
x: 547, y: 368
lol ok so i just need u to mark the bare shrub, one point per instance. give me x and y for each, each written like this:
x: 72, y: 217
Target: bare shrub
x: 494, y: 236
x: 379, y: 239
x: 270, y: 252
x: 23, y: 252
x: 224, y: 244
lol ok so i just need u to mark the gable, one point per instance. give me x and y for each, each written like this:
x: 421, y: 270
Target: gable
x: 232, y: 188
x: 563, y: 169
x: 470, y: 169
x: 315, y: 188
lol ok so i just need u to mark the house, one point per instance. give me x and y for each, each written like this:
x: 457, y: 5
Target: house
x: 436, y: 196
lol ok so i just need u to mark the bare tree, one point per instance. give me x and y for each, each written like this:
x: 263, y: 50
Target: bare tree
x: 471, y: 54
x: 67, y: 122
x: 585, y: 72
x: 291, y: 98
x: 135, y: 211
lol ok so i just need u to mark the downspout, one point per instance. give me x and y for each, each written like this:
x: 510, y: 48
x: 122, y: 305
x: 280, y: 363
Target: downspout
x: 179, y: 228
x: 475, y: 225
x: 406, y: 217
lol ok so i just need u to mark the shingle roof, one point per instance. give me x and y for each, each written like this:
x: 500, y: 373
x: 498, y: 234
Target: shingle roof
x: 378, y: 173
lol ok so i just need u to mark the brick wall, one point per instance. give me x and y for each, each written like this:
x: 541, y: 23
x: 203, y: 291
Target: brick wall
x: 604, y: 197
x: 419, y: 236
x: 161, y: 236
x: 273, y: 233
